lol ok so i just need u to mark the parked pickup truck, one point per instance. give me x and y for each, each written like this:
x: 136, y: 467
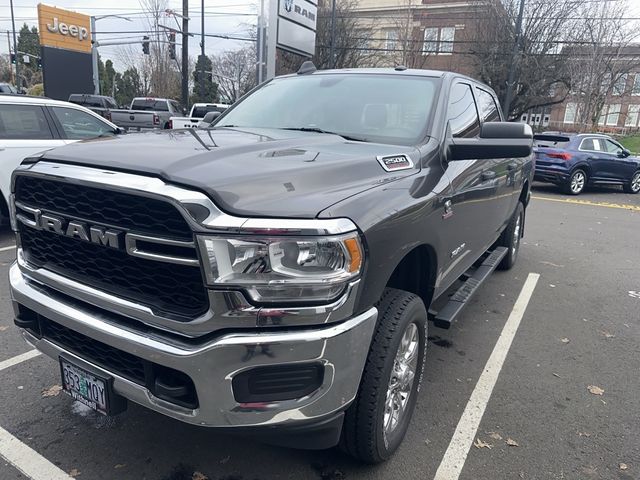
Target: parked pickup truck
x: 100, y: 104
x: 198, y: 112
x: 147, y: 113
x: 273, y: 275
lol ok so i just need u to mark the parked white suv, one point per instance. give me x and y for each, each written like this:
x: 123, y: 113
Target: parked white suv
x: 30, y: 125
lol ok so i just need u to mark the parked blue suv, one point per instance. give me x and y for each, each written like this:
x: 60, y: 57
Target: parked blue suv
x: 573, y: 161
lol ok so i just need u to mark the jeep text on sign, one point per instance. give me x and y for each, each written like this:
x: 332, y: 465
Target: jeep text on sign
x: 64, y: 29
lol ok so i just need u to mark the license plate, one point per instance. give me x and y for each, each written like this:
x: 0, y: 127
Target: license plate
x: 85, y: 387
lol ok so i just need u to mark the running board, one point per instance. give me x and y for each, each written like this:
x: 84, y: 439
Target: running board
x: 445, y: 317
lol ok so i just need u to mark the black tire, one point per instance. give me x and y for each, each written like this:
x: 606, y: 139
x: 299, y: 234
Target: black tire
x: 577, y: 182
x: 634, y: 183
x: 363, y: 430
x: 510, y: 238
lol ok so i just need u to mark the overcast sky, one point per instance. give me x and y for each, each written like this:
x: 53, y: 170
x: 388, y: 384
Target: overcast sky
x: 227, y: 17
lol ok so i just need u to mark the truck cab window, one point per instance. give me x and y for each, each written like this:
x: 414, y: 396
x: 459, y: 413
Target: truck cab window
x: 462, y: 112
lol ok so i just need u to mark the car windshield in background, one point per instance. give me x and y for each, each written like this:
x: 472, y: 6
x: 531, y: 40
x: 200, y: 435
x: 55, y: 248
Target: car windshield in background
x: 375, y: 108
x: 151, y: 105
x: 200, y: 112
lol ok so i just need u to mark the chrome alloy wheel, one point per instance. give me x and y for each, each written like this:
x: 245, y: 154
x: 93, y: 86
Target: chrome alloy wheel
x: 577, y: 182
x: 401, y: 380
x: 635, y: 183
x: 516, y: 237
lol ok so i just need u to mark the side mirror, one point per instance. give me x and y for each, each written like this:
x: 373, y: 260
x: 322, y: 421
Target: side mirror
x: 624, y: 153
x: 119, y: 131
x: 208, y: 119
x: 497, y: 140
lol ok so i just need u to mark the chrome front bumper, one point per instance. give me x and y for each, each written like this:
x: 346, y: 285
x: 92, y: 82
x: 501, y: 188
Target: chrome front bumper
x: 341, y: 347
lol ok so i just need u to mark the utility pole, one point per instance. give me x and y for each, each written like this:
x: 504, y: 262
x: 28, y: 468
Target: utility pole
x: 185, y: 53
x: 332, y: 54
x: 260, y: 44
x: 94, y: 57
x: 506, y: 107
x: 201, y: 78
x: 15, y: 49
x: 10, y: 67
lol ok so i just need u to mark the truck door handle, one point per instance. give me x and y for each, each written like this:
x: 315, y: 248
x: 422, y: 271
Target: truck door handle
x: 488, y: 175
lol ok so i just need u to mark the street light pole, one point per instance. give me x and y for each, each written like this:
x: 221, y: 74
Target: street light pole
x: 94, y: 49
x: 202, y: 99
x: 15, y: 48
x: 185, y: 53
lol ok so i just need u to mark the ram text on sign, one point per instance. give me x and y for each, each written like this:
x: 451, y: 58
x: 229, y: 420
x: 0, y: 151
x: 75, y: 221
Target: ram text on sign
x: 297, y: 25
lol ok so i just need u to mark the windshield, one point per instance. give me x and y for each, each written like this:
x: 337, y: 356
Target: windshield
x: 377, y: 108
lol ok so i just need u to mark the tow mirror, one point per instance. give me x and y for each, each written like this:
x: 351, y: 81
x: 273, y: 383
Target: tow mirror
x: 496, y: 140
x: 624, y: 153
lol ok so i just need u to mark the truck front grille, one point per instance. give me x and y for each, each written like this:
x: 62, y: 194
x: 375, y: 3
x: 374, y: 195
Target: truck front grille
x: 107, y: 207
x: 169, y: 289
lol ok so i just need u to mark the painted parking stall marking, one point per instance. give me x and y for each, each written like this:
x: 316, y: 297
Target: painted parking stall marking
x: 456, y: 454
x: 6, y: 249
x: 575, y: 201
x: 19, y: 359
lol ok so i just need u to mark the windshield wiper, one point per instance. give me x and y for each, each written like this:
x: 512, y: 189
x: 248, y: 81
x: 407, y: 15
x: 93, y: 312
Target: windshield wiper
x: 320, y: 130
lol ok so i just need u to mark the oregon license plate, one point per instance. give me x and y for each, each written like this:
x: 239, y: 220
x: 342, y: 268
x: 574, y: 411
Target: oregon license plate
x: 85, y: 387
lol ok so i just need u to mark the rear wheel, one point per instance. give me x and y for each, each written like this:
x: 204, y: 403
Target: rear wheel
x: 577, y: 182
x: 377, y: 421
x: 634, y: 184
x: 510, y: 238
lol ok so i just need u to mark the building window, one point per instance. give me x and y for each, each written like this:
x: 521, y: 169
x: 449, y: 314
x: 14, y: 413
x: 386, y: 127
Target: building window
x: 632, y: 116
x: 570, y: 113
x: 430, y: 41
x: 392, y: 40
x: 620, y: 85
x: 635, y: 89
x: 613, y: 115
x: 605, y: 83
x: 439, y: 41
x: 545, y: 120
x: 603, y: 115
x: 447, y: 36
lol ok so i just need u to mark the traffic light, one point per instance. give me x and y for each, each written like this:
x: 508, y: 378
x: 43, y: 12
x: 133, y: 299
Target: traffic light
x: 13, y: 58
x: 172, y: 45
x: 145, y: 45
x: 40, y: 63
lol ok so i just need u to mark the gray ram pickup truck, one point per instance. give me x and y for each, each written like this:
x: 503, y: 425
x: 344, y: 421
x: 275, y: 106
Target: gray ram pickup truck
x: 273, y: 275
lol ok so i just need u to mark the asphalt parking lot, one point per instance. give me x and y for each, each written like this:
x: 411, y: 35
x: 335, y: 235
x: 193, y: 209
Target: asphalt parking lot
x: 565, y: 404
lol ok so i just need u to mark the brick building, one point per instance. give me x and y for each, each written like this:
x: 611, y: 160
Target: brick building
x: 432, y: 34
x: 620, y: 113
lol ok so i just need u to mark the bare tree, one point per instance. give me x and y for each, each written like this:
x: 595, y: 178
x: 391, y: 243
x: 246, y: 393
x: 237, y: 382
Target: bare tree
x: 541, y: 68
x: 235, y: 73
x: 602, y: 60
x: 351, y: 40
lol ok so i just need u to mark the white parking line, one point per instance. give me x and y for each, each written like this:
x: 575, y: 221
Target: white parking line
x: 456, y: 454
x: 6, y: 249
x: 27, y: 460
x: 19, y: 359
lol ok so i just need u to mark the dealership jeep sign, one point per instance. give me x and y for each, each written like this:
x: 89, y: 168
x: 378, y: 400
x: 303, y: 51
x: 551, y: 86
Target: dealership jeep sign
x: 64, y: 29
x: 297, y: 26
x: 81, y: 33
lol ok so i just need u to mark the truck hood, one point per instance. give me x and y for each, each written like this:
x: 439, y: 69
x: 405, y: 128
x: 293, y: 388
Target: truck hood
x: 248, y: 172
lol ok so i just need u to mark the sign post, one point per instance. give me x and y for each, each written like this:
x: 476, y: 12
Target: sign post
x: 292, y: 27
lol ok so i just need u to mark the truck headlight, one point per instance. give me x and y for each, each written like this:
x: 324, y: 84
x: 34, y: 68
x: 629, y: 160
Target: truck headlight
x: 283, y: 269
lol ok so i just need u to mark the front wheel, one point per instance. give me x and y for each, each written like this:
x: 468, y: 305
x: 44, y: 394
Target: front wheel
x: 577, y: 182
x: 634, y: 184
x: 377, y: 421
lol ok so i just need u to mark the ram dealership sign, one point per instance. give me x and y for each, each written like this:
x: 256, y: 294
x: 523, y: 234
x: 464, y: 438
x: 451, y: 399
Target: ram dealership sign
x: 297, y: 26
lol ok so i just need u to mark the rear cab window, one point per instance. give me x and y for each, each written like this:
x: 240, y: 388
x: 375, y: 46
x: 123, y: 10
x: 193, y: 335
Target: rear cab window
x: 150, y: 105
